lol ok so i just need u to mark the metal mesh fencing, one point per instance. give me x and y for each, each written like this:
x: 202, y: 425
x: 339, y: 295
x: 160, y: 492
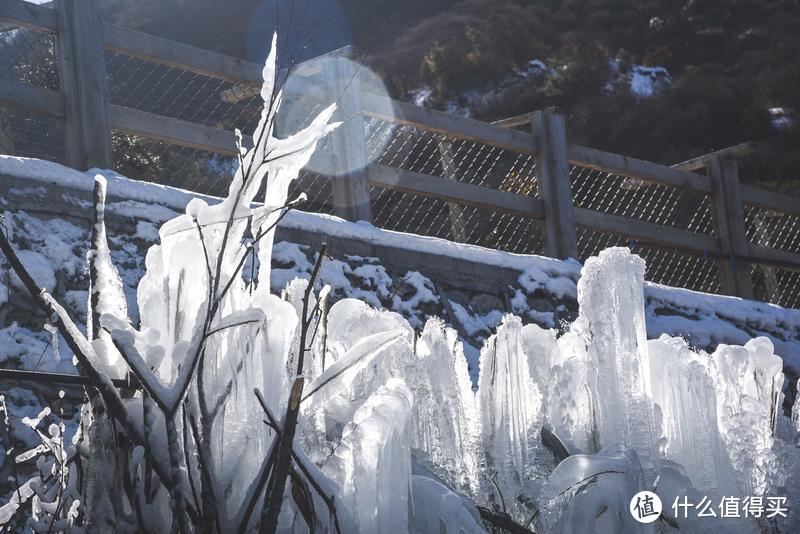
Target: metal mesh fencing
x: 31, y: 135
x: 660, y: 204
x: 470, y: 162
x: 150, y: 160
x: 407, y: 212
x: 180, y: 94
x: 664, y: 265
x: 772, y: 228
x: 776, y: 285
x: 778, y: 230
x: 176, y: 93
x: 29, y: 57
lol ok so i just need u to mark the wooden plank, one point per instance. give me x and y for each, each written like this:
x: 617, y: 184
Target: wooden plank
x: 699, y: 162
x: 779, y: 258
x: 182, y: 56
x: 517, y: 120
x: 636, y: 168
x: 729, y: 219
x: 552, y: 174
x: 32, y: 99
x: 387, y: 109
x: 29, y: 15
x: 647, y: 232
x: 770, y: 199
x: 449, y: 191
x: 85, y: 84
x: 173, y: 131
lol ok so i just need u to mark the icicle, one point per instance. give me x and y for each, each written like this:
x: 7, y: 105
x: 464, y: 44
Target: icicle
x: 611, y: 322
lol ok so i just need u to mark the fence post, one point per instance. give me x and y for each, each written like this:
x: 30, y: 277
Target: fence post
x: 456, y: 211
x: 729, y: 219
x: 552, y: 173
x: 85, y: 84
x: 351, y: 198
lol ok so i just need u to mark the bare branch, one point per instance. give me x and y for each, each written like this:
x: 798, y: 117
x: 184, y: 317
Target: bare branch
x: 84, y: 353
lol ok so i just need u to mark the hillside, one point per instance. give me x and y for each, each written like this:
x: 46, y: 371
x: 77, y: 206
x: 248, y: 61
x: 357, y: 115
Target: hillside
x: 723, y: 71
x: 729, y: 71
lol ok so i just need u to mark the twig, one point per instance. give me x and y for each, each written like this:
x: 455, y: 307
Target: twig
x: 83, y: 351
x: 327, y: 499
x: 502, y: 520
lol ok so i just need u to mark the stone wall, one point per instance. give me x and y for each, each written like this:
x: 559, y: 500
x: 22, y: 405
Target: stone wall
x: 47, y: 211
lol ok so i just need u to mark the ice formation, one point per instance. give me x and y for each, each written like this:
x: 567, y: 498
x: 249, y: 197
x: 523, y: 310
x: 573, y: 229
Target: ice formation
x: 562, y: 432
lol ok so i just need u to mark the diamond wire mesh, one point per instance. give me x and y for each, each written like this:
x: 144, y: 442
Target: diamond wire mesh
x: 28, y: 57
x: 440, y: 156
x: 180, y: 94
x: 652, y: 203
x: 661, y: 204
x: 664, y: 266
x: 31, y: 135
x: 778, y: 230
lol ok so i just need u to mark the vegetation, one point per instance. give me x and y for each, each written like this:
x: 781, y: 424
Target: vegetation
x: 730, y: 61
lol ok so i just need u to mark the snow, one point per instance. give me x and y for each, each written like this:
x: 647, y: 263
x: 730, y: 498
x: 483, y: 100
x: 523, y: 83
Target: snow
x: 389, y: 426
x: 640, y: 80
x: 781, y: 118
x: 40, y: 269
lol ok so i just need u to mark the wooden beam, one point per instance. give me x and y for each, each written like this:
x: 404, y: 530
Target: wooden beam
x: 85, y: 84
x: 647, y: 232
x: 552, y: 175
x: 695, y: 164
x: 776, y: 258
x: 729, y: 219
x: 517, y: 120
x: 182, y: 56
x: 173, y: 131
x: 449, y: 191
x: 28, y: 15
x: 32, y: 99
x: 387, y: 109
x: 636, y: 168
x: 770, y: 199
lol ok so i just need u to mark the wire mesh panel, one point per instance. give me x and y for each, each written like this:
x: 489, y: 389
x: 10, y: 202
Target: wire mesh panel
x: 200, y: 171
x: 188, y: 168
x: 31, y: 135
x: 661, y: 204
x: 180, y: 94
x: 407, y: 212
x: 471, y: 162
x: 414, y: 149
x: 776, y: 285
x: 781, y: 231
x: 28, y: 56
x: 317, y: 188
x: 772, y: 228
x: 664, y: 266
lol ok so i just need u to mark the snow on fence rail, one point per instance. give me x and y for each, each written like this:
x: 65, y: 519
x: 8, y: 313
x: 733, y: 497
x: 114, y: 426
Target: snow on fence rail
x: 163, y: 111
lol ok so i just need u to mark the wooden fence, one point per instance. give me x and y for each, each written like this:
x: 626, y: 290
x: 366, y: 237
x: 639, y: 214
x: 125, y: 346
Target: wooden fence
x: 559, y: 198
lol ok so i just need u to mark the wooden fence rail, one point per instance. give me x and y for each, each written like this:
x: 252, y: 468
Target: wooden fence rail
x: 83, y: 105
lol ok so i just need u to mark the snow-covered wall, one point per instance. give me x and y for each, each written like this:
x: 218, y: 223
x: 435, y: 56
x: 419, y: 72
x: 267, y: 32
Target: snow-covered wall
x: 47, y: 208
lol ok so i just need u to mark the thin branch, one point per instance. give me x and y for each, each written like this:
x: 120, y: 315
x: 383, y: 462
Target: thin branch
x: 83, y: 352
x: 503, y: 521
x: 330, y: 501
